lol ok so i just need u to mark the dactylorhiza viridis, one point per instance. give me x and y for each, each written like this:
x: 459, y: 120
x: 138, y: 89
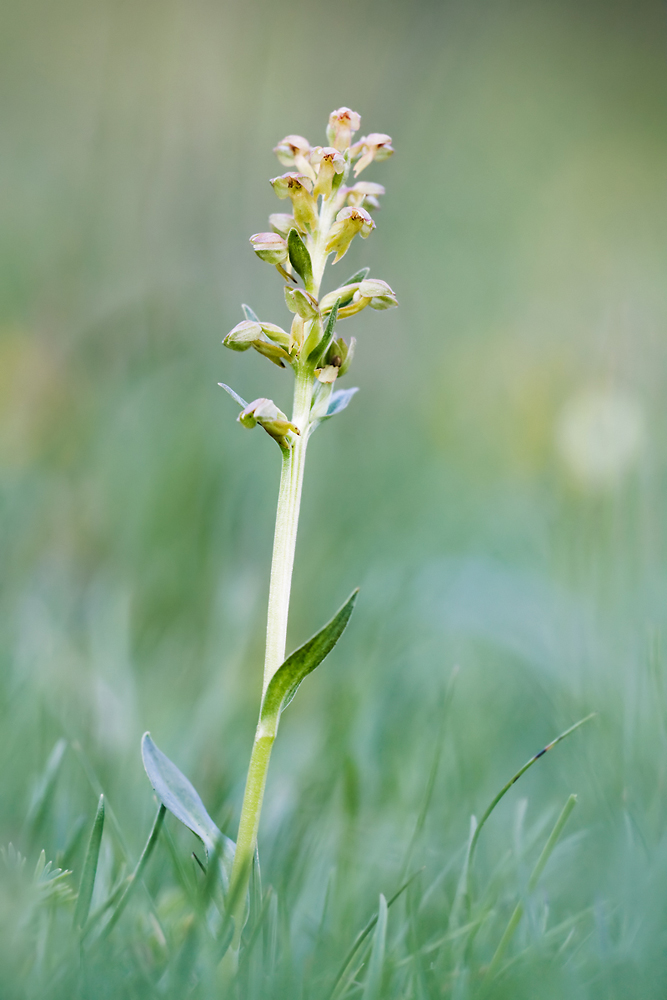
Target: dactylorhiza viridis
x: 330, y: 206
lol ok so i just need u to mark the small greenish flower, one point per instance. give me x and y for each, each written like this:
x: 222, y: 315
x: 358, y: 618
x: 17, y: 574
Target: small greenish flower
x: 349, y: 222
x: 343, y: 123
x: 299, y: 188
x: 340, y: 354
x: 282, y: 223
x: 270, y: 247
x: 364, y: 193
x: 301, y: 302
x: 294, y: 150
x: 264, y: 412
x: 250, y: 334
x: 330, y: 162
x: 375, y: 146
x: 378, y: 292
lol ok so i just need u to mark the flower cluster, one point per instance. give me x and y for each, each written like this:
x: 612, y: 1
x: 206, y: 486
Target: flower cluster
x: 327, y: 213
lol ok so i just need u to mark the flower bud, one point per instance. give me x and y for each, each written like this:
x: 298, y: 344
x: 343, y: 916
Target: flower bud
x: 364, y: 193
x: 376, y: 146
x: 340, y: 354
x: 345, y: 293
x: 298, y: 187
x: 380, y: 294
x: 265, y: 413
x: 250, y: 334
x: 281, y: 222
x: 275, y: 333
x: 343, y: 123
x: 270, y: 247
x: 294, y: 150
x: 243, y: 336
x: 349, y: 222
x: 330, y: 163
x: 301, y: 302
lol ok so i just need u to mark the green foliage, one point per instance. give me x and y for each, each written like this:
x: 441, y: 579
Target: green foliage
x: 90, y: 867
x: 285, y: 682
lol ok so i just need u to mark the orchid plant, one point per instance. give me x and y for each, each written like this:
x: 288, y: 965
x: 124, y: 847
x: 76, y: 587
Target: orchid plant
x: 329, y: 208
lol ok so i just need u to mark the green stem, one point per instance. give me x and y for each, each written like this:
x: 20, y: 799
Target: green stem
x: 282, y: 565
x: 284, y: 545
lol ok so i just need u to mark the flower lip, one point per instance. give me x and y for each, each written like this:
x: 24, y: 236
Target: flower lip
x: 291, y: 182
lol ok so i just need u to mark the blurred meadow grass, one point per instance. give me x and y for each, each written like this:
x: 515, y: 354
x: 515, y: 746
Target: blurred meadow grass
x: 476, y: 489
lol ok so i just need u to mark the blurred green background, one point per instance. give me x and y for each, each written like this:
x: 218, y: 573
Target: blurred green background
x: 497, y: 488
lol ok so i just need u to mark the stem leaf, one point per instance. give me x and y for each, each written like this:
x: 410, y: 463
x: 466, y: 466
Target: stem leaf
x: 317, y: 354
x: 90, y: 867
x: 287, y: 678
x: 338, y: 401
x: 358, y: 276
x: 235, y: 396
x: 180, y: 797
x: 249, y: 314
x: 299, y: 257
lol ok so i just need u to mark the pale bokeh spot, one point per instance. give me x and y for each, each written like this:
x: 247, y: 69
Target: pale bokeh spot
x: 599, y: 436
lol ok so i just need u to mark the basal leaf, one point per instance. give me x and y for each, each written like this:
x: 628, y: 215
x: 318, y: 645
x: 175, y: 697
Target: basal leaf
x: 317, y: 354
x: 299, y: 256
x: 284, y: 683
x: 249, y: 314
x: 179, y: 796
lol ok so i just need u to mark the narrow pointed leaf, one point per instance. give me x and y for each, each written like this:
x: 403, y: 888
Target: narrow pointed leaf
x: 179, y: 796
x: 318, y: 352
x: 299, y: 257
x: 249, y: 314
x: 284, y: 683
x: 235, y: 396
x: 136, y: 875
x: 90, y: 867
x: 339, y: 401
x: 376, y: 964
x: 358, y: 276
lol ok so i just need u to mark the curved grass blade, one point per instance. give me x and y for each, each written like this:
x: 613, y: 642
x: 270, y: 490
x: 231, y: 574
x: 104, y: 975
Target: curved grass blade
x: 299, y: 257
x: 90, y: 868
x: 287, y: 678
x: 180, y: 797
x: 138, y: 871
x: 443, y: 711
x: 342, y: 980
x: 45, y: 785
x: 547, y: 851
x: 320, y: 350
x: 503, y: 791
x: 376, y: 965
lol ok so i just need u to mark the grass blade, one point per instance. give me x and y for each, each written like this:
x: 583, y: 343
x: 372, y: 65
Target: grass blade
x: 90, y: 867
x: 287, y: 678
x: 361, y: 937
x: 503, y: 791
x: 547, y: 851
x: 376, y: 964
x: 138, y: 871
